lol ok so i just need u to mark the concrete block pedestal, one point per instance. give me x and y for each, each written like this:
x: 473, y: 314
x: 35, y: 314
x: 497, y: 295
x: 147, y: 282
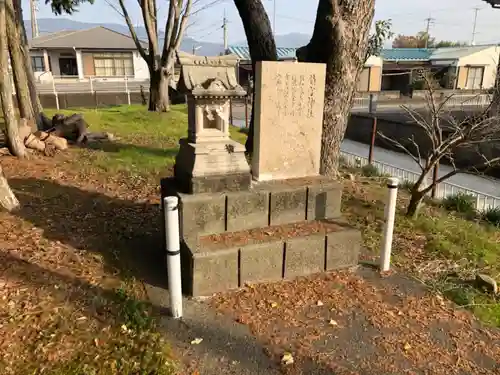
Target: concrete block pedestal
x: 233, y: 238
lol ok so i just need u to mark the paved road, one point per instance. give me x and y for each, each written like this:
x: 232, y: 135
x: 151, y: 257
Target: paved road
x: 485, y: 185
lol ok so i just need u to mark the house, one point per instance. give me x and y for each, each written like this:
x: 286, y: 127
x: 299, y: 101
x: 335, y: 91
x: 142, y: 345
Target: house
x: 80, y: 54
x: 370, y: 79
x: 464, y: 68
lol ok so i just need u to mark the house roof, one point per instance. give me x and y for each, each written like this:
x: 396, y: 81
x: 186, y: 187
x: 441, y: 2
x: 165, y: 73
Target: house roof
x: 243, y: 53
x: 406, y: 54
x: 98, y: 37
x: 453, y: 53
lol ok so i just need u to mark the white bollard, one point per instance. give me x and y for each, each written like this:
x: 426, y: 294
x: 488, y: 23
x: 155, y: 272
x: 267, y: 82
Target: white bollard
x: 171, y: 207
x: 390, y: 213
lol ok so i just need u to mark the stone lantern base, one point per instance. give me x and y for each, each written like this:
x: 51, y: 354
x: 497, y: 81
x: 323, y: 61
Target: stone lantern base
x: 211, y: 167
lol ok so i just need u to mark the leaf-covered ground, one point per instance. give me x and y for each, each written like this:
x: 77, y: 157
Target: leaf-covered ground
x: 76, y: 254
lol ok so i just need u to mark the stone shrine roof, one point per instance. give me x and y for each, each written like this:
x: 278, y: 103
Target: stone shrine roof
x: 209, y: 76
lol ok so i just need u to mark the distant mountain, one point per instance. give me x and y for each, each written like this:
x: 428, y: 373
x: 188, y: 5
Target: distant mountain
x: 50, y: 25
x: 292, y: 40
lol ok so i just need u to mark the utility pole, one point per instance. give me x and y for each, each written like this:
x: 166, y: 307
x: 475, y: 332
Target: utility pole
x: 473, y: 40
x: 224, y: 27
x: 429, y: 21
x: 34, y: 23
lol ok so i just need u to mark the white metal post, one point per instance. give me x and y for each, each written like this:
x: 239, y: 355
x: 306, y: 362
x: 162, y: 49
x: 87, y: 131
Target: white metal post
x: 91, y: 85
x: 390, y: 213
x: 55, y: 93
x: 126, y: 90
x: 171, y: 209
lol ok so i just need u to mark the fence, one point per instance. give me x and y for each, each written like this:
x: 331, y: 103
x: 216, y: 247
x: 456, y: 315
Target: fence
x: 115, y: 90
x: 444, y: 189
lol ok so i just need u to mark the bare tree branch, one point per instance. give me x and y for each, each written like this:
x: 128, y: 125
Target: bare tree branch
x: 133, y: 33
x: 449, y: 135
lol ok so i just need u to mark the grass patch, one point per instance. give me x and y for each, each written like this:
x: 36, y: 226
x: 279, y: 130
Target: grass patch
x: 147, y: 141
x: 442, y: 249
x: 462, y: 203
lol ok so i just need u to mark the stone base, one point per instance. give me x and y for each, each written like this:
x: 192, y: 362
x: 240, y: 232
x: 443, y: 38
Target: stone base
x: 213, y: 166
x: 209, y: 271
x: 263, y: 207
x: 188, y: 184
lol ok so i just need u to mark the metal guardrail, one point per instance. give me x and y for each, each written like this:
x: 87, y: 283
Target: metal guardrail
x: 72, y: 85
x: 444, y: 189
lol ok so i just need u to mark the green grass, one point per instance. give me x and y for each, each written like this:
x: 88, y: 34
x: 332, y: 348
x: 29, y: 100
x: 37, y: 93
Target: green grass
x: 147, y: 141
x: 452, y: 247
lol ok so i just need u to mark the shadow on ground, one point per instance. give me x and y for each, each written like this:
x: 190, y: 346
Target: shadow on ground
x: 127, y: 234
x: 114, y: 147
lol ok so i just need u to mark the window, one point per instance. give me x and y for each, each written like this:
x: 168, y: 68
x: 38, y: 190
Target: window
x: 475, y: 77
x: 113, y: 64
x: 38, y: 64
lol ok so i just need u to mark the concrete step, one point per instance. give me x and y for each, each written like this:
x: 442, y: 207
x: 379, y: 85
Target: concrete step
x: 230, y: 260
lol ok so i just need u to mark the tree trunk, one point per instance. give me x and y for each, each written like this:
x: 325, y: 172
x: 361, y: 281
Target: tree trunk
x: 18, y: 63
x: 35, y: 99
x: 15, y: 144
x: 261, y: 43
x: 340, y: 40
x: 159, y: 100
x: 415, y: 204
x: 7, y: 198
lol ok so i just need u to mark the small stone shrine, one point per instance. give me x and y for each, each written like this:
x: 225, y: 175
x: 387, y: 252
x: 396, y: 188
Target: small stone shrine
x: 208, y: 160
x: 282, y: 223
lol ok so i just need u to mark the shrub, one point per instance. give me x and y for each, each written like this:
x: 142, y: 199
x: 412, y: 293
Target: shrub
x: 492, y: 216
x: 369, y: 170
x: 463, y: 203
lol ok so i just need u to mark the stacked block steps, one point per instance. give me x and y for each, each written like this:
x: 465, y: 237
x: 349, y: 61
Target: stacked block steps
x: 304, y: 212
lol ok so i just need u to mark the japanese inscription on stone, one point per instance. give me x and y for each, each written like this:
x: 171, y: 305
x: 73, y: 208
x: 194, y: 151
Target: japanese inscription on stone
x: 288, y: 120
x: 291, y: 91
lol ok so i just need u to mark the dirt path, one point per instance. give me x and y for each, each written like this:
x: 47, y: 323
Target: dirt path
x: 360, y: 323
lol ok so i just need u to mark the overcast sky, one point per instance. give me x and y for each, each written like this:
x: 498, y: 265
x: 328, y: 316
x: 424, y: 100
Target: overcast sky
x: 453, y: 19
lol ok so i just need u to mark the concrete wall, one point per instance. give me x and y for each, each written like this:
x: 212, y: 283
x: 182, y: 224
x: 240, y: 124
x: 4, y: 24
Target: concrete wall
x: 487, y: 58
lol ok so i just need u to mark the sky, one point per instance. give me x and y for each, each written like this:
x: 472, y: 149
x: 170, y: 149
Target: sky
x: 451, y: 19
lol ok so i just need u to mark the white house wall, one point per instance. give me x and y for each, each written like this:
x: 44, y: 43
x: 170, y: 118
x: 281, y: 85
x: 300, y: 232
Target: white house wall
x: 487, y: 58
x: 374, y: 61
x: 141, y: 70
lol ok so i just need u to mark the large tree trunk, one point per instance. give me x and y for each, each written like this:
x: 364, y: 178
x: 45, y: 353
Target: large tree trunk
x: 7, y: 198
x: 17, y: 63
x: 340, y: 40
x: 159, y: 100
x: 15, y: 144
x: 35, y: 99
x: 260, y: 42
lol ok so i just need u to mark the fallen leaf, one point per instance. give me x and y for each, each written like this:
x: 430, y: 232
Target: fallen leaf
x: 287, y: 359
x: 96, y: 342
x: 274, y: 304
x: 196, y: 341
x: 319, y: 303
x: 333, y: 323
x: 407, y: 347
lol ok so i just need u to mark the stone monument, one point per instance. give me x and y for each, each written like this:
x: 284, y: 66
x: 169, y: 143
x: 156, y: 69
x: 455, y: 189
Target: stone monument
x: 288, y: 114
x: 208, y: 160
x: 283, y: 225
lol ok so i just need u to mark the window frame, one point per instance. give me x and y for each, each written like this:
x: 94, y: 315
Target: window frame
x: 112, y: 64
x: 36, y: 66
